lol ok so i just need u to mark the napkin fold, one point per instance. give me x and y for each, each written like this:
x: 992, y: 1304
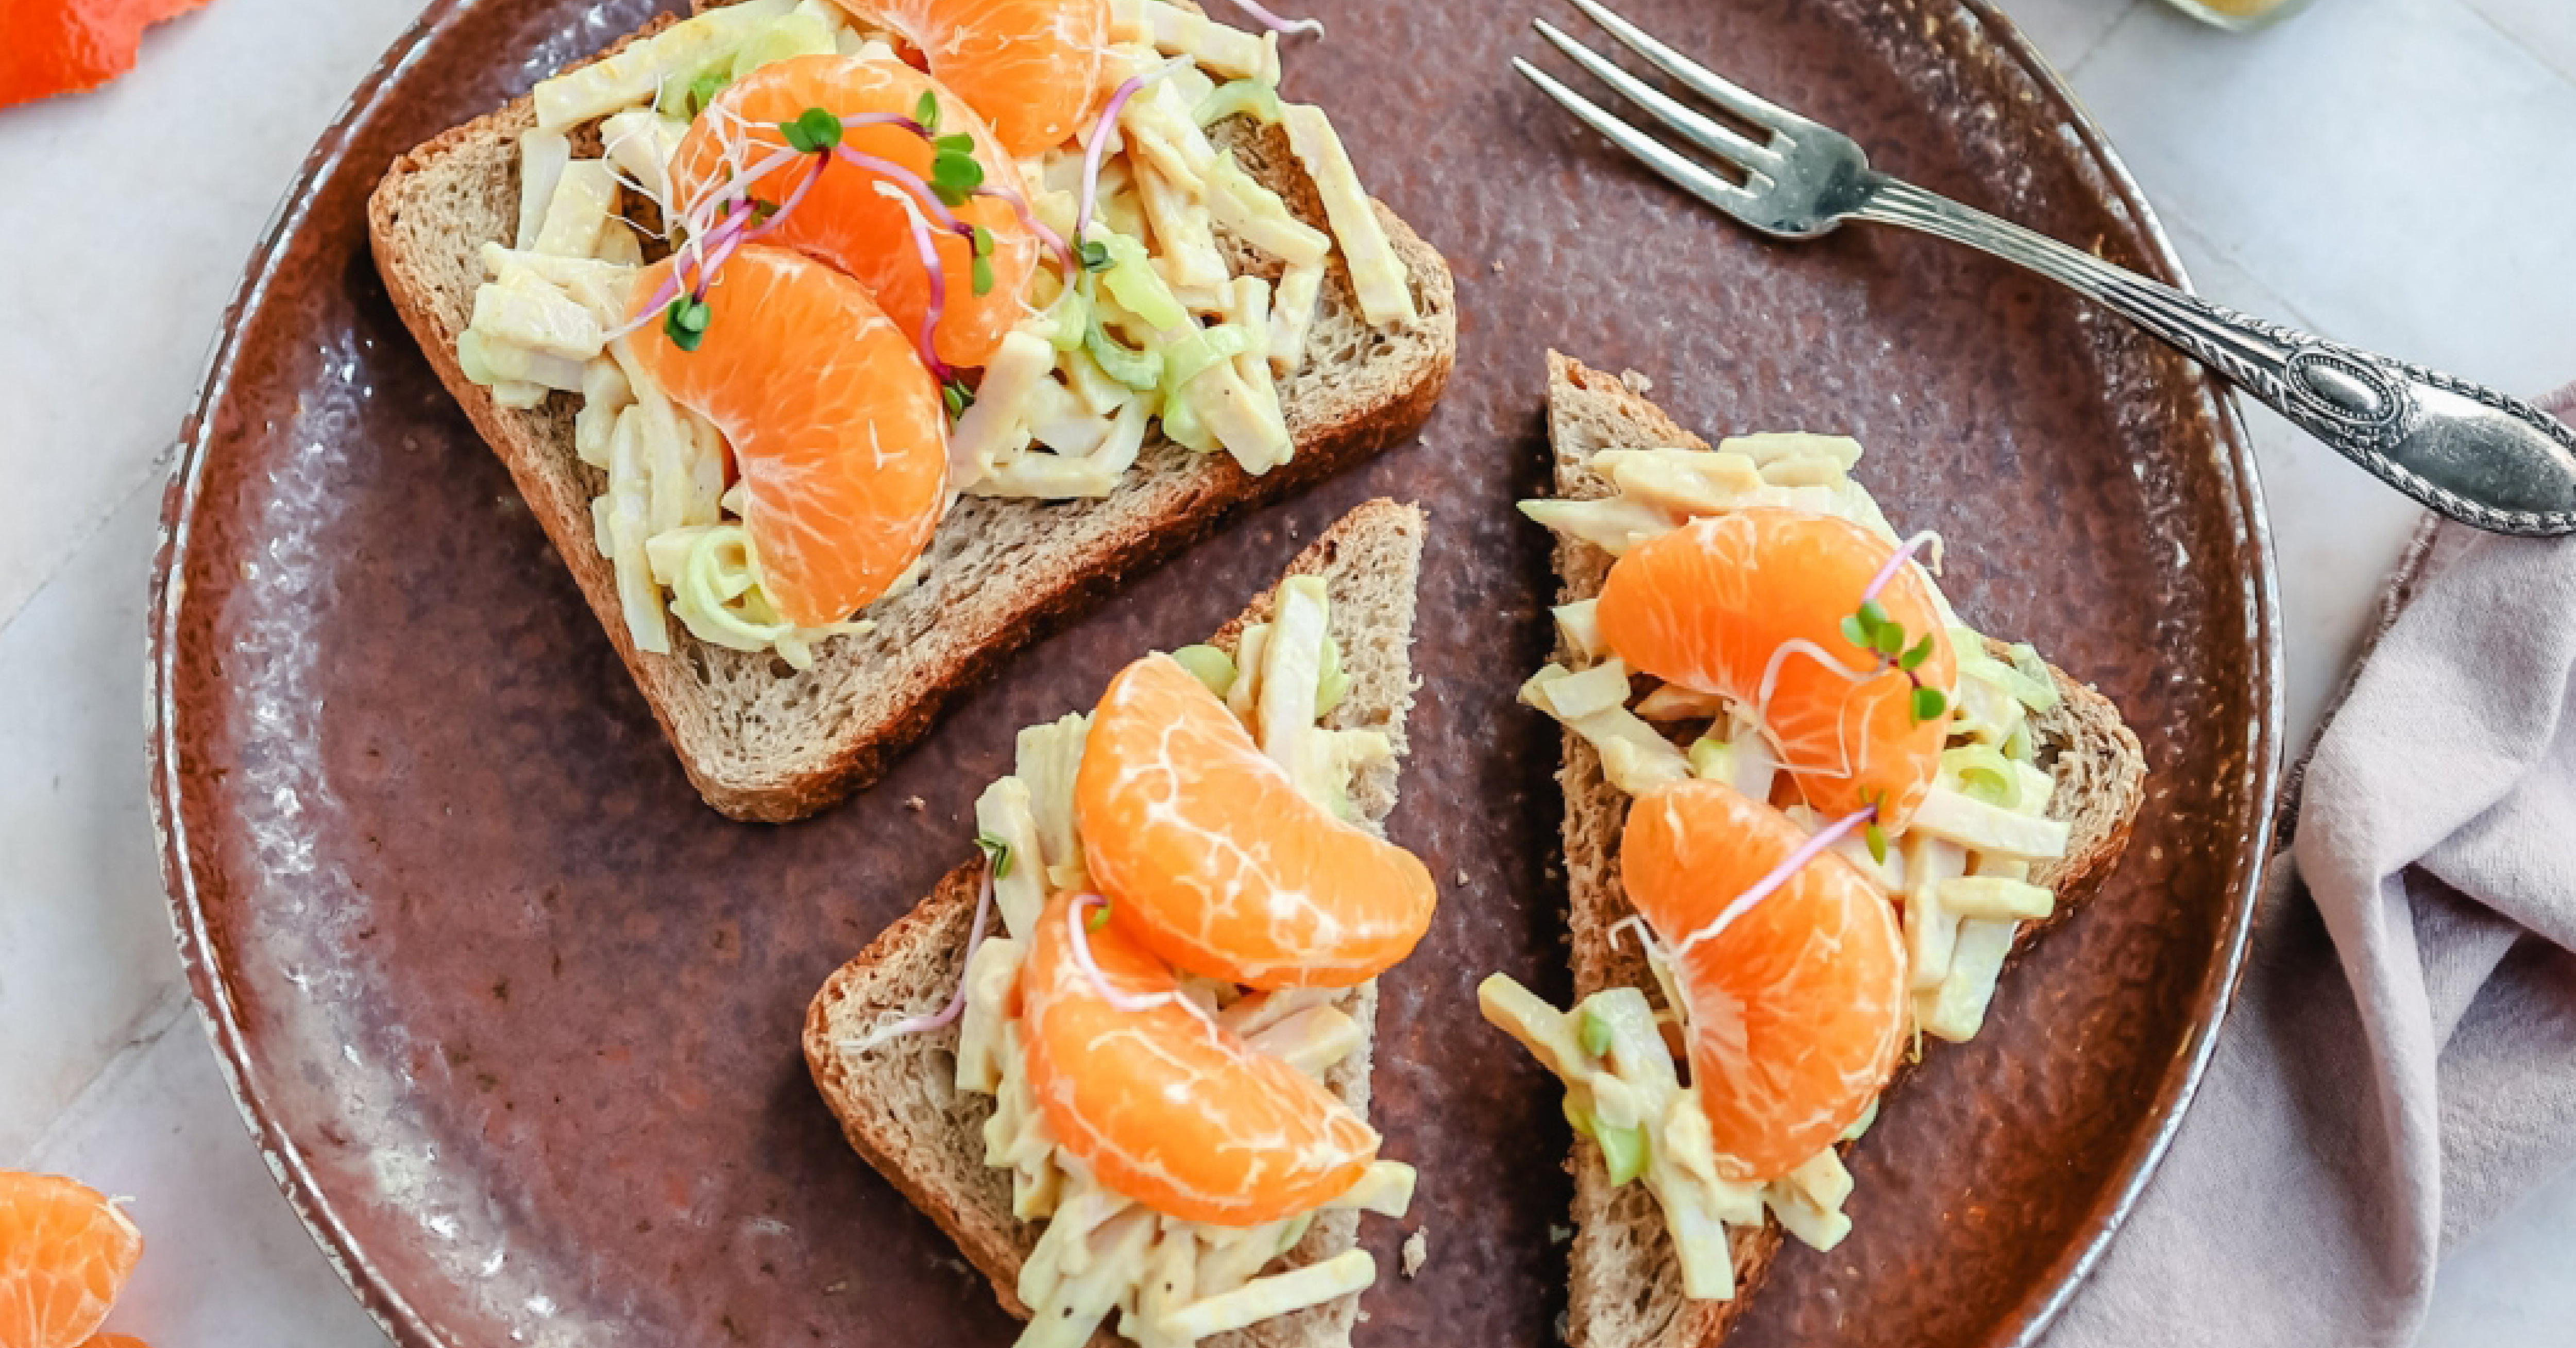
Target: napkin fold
x: 2400, y: 1063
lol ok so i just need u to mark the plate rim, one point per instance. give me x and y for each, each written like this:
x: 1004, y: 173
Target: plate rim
x: 385, y: 1303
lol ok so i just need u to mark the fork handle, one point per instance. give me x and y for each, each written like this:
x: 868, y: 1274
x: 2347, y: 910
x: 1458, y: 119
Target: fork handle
x: 2484, y: 458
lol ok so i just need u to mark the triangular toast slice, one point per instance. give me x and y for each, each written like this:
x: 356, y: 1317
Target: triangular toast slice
x: 898, y: 1103
x: 763, y: 741
x: 1624, y: 1289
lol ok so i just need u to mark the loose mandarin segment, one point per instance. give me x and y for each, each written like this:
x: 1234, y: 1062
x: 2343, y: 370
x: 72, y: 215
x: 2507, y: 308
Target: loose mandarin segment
x: 1167, y: 1108
x: 1796, y: 1006
x: 1719, y: 602
x: 64, y: 46
x: 835, y: 427
x: 846, y: 220
x: 1031, y: 67
x: 65, y: 1253
x: 1215, y: 860
x: 116, y: 1341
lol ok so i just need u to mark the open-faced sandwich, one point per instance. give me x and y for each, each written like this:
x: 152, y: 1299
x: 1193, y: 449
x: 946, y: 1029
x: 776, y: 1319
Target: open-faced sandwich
x: 791, y: 320
x: 1809, y: 815
x: 1143, y: 1108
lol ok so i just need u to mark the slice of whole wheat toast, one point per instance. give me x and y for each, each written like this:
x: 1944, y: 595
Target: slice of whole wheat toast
x: 899, y: 1104
x: 1624, y: 1288
x: 763, y: 741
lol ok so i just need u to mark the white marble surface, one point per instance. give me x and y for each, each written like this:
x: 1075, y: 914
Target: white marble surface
x: 2297, y: 168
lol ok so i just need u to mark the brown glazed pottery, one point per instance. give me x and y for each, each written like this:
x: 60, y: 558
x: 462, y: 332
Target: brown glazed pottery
x: 514, y: 1016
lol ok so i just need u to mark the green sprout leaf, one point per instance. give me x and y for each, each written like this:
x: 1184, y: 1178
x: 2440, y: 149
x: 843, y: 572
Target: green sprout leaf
x: 1888, y: 640
x: 1099, y: 917
x: 1000, y: 853
x: 685, y: 322
x: 1876, y: 837
x: 1855, y: 631
x: 1094, y: 255
x: 926, y: 111
x: 762, y: 209
x: 814, y: 131
x: 1922, y: 651
x: 1595, y: 1033
x: 957, y: 396
x: 1872, y: 617
x: 983, y: 276
x: 983, y: 240
x: 955, y: 175
x: 961, y: 143
x: 1929, y: 703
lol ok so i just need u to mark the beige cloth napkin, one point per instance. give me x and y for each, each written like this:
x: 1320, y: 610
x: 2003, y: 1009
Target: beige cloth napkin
x: 2400, y: 1065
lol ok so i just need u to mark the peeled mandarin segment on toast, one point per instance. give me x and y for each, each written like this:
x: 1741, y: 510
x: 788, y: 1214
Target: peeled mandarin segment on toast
x: 50, y: 47
x: 1214, y: 860
x: 1726, y: 599
x: 1167, y: 1108
x: 1796, y: 1004
x: 65, y: 1253
x: 836, y: 428
x: 846, y: 220
x: 1031, y: 67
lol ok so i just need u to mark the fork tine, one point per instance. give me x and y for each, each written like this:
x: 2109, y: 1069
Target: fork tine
x: 1708, y: 134
x: 1683, y: 172
x: 1700, y: 79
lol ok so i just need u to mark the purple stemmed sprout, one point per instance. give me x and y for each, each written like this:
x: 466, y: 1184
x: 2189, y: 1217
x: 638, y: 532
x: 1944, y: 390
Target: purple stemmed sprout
x: 1276, y: 24
x: 1815, y: 846
x: 1873, y: 631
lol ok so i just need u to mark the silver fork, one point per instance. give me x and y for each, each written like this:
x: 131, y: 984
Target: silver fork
x: 2473, y: 454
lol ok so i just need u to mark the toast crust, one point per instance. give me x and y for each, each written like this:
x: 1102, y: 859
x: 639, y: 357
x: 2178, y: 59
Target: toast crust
x: 764, y: 743
x: 1624, y: 1285
x: 898, y: 1106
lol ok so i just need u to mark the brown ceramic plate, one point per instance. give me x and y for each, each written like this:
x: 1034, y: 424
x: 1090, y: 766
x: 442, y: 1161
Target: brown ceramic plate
x: 515, y: 1016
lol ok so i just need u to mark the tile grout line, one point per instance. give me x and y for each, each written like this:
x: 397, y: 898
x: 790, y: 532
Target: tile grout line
x: 2108, y: 32
x: 155, y: 476
x: 2514, y: 39
x: 145, y: 1033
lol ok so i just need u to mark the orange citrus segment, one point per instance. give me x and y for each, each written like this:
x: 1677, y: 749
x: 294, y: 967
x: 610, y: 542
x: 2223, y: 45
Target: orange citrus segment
x: 63, y: 46
x: 845, y: 220
x: 836, y: 427
x: 1031, y: 67
x: 1166, y: 1107
x: 116, y: 1341
x: 1214, y: 860
x: 65, y: 1252
x: 1723, y: 600
x: 1796, y: 1005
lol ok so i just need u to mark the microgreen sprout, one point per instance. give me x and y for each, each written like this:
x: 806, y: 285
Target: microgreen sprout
x: 926, y: 112
x: 1275, y: 23
x: 982, y: 239
x: 1101, y: 131
x: 1099, y: 917
x: 1870, y: 629
x: 957, y: 396
x: 1815, y: 846
x: 814, y: 131
x: 956, y: 1000
x: 1094, y: 255
x: 998, y: 851
x: 685, y: 322
x: 1871, y: 833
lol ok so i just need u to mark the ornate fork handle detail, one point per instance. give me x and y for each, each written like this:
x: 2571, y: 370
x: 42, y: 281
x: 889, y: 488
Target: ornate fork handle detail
x: 2462, y: 449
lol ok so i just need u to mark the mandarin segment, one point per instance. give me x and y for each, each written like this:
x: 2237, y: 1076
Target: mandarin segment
x: 846, y: 220
x: 64, y: 46
x: 65, y: 1253
x: 1031, y: 67
x: 1166, y: 1107
x: 1725, y: 600
x: 1216, y: 861
x: 1796, y: 1004
x: 835, y: 427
